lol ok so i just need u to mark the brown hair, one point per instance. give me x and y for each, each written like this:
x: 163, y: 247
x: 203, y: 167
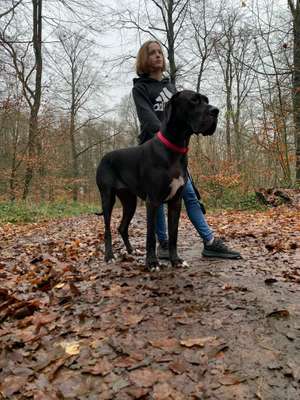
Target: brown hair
x: 141, y: 65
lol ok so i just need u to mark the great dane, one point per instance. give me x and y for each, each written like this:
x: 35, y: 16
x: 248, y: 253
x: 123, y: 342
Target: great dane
x: 155, y: 171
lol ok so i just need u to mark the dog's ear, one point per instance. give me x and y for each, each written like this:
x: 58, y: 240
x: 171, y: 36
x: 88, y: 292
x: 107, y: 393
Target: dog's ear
x: 169, y: 106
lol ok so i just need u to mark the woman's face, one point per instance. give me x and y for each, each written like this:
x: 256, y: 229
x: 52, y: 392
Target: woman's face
x: 155, y: 57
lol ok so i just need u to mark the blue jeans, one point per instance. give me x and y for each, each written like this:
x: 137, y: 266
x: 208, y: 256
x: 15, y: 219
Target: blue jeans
x: 194, y: 213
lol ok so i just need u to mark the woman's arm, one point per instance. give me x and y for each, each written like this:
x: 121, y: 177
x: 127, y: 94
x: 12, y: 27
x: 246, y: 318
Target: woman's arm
x: 147, y: 117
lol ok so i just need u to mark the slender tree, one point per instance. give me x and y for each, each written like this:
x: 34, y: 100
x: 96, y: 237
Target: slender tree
x: 78, y: 81
x: 294, y: 6
x: 164, y: 22
x: 30, y: 77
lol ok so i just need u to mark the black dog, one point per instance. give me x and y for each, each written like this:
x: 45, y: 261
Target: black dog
x: 155, y: 171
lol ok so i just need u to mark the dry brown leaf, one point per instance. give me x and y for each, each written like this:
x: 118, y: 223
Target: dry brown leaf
x: 137, y: 392
x: 178, y: 367
x: 146, y: 377
x: 279, y: 314
x: 132, y: 319
x: 228, y: 380
x: 103, y: 367
x: 162, y: 391
x: 200, y: 342
x: 12, y: 384
x: 71, y: 347
x: 167, y: 344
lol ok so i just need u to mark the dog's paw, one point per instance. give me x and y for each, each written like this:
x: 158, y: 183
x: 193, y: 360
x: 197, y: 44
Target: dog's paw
x: 152, y: 266
x: 179, y: 263
x: 109, y: 258
x: 164, y: 264
x: 156, y: 268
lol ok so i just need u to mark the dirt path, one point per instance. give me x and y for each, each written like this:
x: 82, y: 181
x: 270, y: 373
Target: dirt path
x: 73, y: 327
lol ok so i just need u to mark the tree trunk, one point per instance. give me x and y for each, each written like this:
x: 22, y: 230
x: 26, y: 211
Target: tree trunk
x: 296, y: 87
x: 229, y: 108
x: 33, y: 126
x: 171, y: 39
x: 14, y: 163
x: 33, y: 120
x: 75, y: 168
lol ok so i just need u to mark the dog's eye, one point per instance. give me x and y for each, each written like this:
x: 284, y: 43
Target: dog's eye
x: 196, y: 100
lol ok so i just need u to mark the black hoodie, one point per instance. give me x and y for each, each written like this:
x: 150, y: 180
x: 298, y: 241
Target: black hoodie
x: 150, y: 97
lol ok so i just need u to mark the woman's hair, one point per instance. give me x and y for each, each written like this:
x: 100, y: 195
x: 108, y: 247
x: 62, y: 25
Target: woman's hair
x: 141, y: 65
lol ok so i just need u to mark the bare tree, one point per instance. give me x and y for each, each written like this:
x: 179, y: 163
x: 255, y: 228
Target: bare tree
x: 11, y: 7
x: 30, y: 77
x: 294, y: 6
x: 78, y: 81
x: 162, y: 20
x: 201, y: 38
x: 273, y: 79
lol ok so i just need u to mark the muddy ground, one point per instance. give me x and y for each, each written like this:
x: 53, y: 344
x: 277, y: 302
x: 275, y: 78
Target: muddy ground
x: 73, y: 327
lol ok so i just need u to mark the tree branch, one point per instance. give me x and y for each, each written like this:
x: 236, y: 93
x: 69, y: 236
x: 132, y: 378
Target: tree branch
x: 10, y: 9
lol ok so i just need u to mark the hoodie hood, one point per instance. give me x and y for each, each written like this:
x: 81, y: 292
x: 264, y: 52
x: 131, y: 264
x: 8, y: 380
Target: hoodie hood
x: 147, y: 79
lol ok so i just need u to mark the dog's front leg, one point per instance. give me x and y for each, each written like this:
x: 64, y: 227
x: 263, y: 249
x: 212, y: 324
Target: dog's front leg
x: 151, y: 259
x: 174, y: 208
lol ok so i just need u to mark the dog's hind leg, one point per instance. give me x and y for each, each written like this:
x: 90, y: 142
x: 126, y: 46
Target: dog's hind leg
x: 129, y: 202
x: 108, y: 198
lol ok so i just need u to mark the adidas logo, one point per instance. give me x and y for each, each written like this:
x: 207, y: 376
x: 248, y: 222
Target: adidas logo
x: 162, y: 99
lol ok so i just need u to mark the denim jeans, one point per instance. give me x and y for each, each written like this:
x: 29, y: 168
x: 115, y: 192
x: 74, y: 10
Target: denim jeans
x: 194, y: 213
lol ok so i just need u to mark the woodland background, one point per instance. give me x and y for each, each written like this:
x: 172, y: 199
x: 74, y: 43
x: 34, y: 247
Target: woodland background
x: 75, y: 327
x: 66, y: 68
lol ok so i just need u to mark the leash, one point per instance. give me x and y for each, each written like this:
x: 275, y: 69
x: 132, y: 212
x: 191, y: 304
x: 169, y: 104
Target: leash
x: 170, y: 145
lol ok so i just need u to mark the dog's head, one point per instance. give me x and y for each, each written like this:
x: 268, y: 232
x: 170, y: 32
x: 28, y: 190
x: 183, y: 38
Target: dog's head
x: 194, y: 111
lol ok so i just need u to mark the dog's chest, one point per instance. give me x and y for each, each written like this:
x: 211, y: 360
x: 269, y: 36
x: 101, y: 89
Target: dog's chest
x: 175, y: 184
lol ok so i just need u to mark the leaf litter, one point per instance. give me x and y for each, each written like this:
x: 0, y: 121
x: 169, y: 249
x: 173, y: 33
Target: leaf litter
x: 73, y: 327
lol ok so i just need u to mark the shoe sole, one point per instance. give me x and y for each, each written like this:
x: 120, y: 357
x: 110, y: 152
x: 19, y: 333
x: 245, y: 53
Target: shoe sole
x: 221, y: 255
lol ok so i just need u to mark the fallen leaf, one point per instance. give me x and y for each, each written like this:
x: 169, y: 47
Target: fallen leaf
x: 161, y: 391
x: 103, y: 367
x: 228, y: 380
x: 12, y: 384
x: 197, y: 341
x: 226, y: 286
x: 178, y: 367
x: 72, y: 348
x: 43, y: 395
x: 137, y: 393
x: 132, y: 319
x: 145, y: 377
x: 59, y: 285
x: 279, y: 314
x: 167, y: 344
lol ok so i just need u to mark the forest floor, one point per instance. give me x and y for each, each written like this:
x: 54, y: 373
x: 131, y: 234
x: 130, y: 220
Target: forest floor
x: 73, y: 327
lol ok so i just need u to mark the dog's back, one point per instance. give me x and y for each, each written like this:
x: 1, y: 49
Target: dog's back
x: 120, y: 169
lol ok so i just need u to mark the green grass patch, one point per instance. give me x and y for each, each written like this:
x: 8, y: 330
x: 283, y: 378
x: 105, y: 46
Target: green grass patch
x: 233, y: 200
x: 23, y: 212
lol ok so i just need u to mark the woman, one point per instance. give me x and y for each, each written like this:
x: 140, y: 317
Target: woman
x: 150, y: 92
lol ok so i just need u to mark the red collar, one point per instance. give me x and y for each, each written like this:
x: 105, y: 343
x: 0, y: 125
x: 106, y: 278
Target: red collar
x: 170, y: 145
